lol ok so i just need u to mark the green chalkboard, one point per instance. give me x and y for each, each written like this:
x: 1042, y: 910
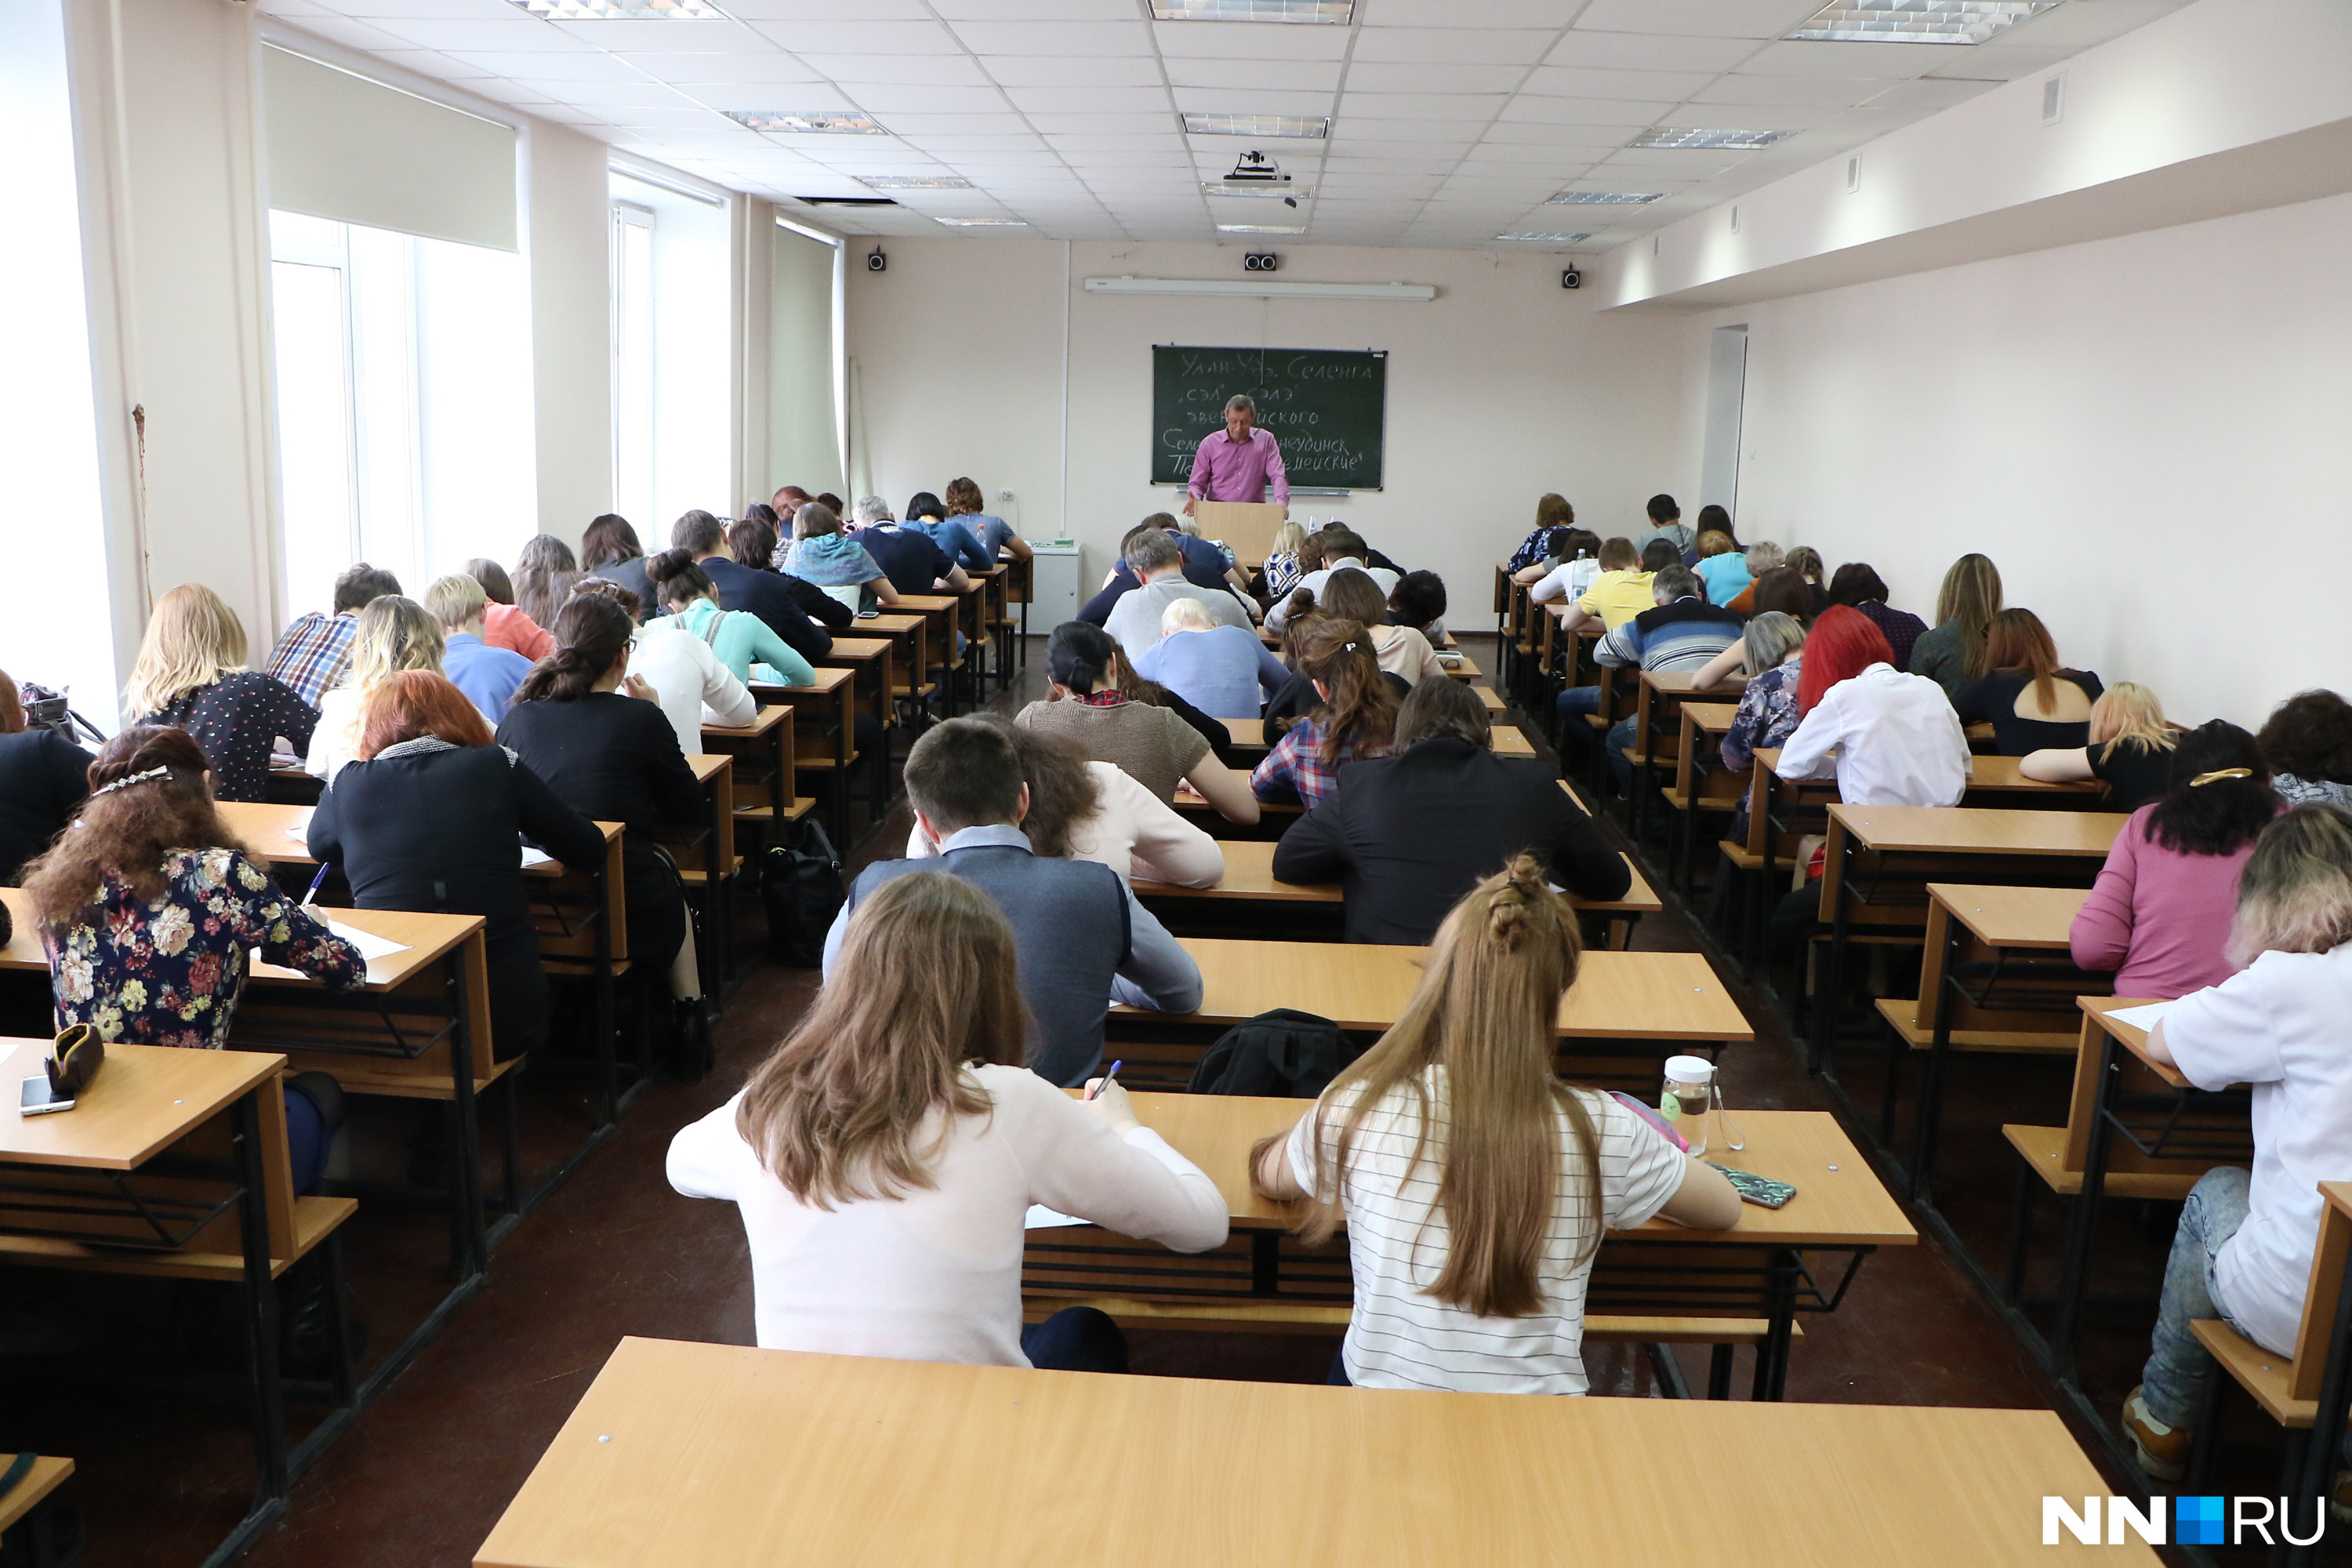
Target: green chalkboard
x: 1329, y: 408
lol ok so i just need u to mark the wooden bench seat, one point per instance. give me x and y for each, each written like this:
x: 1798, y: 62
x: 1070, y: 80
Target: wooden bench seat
x: 2266, y: 1374
x: 315, y: 1219
x: 1902, y: 1016
x: 2043, y: 1150
x: 39, y: 1482
x: 1324, y: 1318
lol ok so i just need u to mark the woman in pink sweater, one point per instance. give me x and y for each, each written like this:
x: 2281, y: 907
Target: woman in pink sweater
x: 2159, y: 913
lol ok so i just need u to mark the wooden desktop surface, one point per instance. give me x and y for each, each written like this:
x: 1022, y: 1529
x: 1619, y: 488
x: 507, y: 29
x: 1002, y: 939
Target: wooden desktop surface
x: 703, y: 1456
x: 145, y: 1098
x: 1617, y: 995
x: 2129, y: 1035
x: 1981, y: 830
x: 283, y: 832
x: 767, y: 720
x: 1249, y: 874
x: 1987, y: 770
x: 1677, y: 683
x: 1249, y: 735
x: 39, y: 1482
x: 424, y: 938
x: 2013, y: 916
x: 1711, y: 718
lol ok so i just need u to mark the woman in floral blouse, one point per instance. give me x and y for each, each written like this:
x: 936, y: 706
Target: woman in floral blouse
x: 148, y: 906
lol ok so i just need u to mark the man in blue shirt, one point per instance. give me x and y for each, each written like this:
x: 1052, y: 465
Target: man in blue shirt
x: 911, y: 560
x: 927, y: 517
x: 486, y: 674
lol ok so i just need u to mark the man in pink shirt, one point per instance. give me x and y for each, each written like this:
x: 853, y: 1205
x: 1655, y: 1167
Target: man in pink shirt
x: 1238, y: 462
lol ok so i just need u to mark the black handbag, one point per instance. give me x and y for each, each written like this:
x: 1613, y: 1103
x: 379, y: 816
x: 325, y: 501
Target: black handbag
x: 801, y: 885
x: 74, y: 1060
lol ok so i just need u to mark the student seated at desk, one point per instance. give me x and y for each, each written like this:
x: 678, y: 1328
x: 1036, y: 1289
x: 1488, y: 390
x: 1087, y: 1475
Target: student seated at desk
x: 430, y: 817
x: 1282, y: 572
x: 1343, y: 550
x: 997, y: 537
x: 603, y: 745
x: 394, y: 634
x: 2162, y: 906
x: 1204, y: 567
x: 610, y: 550
x: 1222, y: 670
x: 486, y: 672
x: 1806, y: 562
x: 912, y: 561
x: 1085, y: 810
x: 2032, y: 703
x: 1151, y: 740
x: 1620, y: 592
x: 2282, y: 1025
x: 191, y: 675
x: 150, y: 908
x: 1771, y: 651
x: 1351, y: 595
x: 1860, y: 586
x: 1552, y: 513
x: 311, y: 655
x: 1354, y: 719
x: 685, y: 675
x: 1134, y: 622
x: 1681, y: 631
x: 503, y: 623
x: 1575, y: 548
x: 2308, y: 742
x: 1475, y: 1184
x: 1407, y: 836
x: 1084, y: 943
x: 2130, y: 750
x: 746, y: 647
x: 837, y: 563
x: 1952, y: 653
x: 1418, y: 601
x: 886, y: 1157
x: 797, y: 611
x: 545, y: 570
x: 1721, y: 568
x: 44, y: 778
x: 928, y: 516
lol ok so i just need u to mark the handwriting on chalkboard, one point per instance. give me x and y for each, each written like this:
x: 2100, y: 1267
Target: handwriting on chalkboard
x: 1327, y: 408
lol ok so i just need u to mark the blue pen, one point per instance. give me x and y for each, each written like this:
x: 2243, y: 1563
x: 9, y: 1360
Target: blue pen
x: 1107, y: 1077
x: 316, y: 883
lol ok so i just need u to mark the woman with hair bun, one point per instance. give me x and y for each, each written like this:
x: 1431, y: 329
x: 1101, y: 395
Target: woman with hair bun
x: 598, y: 736
x: 1355, y: 716
x: 1475, y: 1183
x: 148, y: 905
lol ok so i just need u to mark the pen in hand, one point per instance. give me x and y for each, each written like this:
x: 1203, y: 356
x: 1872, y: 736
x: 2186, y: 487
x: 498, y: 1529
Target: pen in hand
x: 316, y: 883
x: 1104, y: 1082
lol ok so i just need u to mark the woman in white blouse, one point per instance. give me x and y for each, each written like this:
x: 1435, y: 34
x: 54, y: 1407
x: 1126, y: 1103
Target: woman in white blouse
x: 885, y: 1157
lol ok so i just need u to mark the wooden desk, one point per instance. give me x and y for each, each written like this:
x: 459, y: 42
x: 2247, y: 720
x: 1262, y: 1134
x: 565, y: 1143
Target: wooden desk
x: 707, y: 862
x: 910, y: 631
x: 1701, y: 783
x: 43, y: 1479
x: 869, y: 660
x: 848, y: 1459
x: 1459, y: 664
x: 762, y: 751
x: 824, y: 732
x: 1494, y: 704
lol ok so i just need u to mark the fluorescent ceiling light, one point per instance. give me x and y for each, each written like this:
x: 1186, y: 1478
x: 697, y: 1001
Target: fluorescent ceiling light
x: 623, y: 10
x: 1554, y: 239
x: 982, y: 222
x: 821, y: 121
x: 914, y: 181
x: 1261, y: 228
x: 1252, y: 10
x: 1256, y: 125
x: 1669, y: 136
x: 1251, y: 188
x: 1918, y: 21
x: 1602, y: 198
x: 1268, y: 290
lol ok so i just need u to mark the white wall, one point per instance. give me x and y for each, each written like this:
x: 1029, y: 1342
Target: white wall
x: 1503, y: 387
x: 2146, y: 434
x: 570, y: 311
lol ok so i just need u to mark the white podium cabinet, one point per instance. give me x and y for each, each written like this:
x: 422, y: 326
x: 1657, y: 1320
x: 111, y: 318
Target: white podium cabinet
x: 1056, y: 585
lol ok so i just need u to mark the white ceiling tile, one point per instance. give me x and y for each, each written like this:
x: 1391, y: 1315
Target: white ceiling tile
x: 1743, y: 87
x: 1129, y: 38
x: 1355, y: 106
x: 629, y: 36
x: 1069, y: 71
x: 1574, y: 81
x: 768, y: 67
x: 1627, y: 118
x: 1456, y: 14
x: 884, y: 99
x: 2080, y: 26
x: 1684, y: 162
x: 559, y: 67
x: 562, y: 115
x: 860, y: 37
x: 1814, y: 57
x: 1526, y: 154
x: 1252, y: 100
x: 1341, y: 164
x: 666, y: 117
x: 1136, y: 103
x: 1986, y: 63
x: 352, y: 35
x: 432, y: 63
x: 1115, y: 146
x: 1433, y: 137
x: 1249, y: 41
x: 1461, y: 45
x: 931, y: 71
x: 365, y: 9
x: 974, y: 132
x: 1750, y: 116
x: 1649, y: 52
x: 613, y: 94
x: 828, y: 10
x: 1927, y: 95
x: 1546, y: 133
x: 1697, y: 18
x: 1036, y: 10
x: 1294, y: 76
x: 522, y: 34
x: 1381, y: 76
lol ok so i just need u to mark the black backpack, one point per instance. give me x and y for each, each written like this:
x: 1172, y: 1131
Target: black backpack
x: 1284, y: 1054
x: 801, y: 884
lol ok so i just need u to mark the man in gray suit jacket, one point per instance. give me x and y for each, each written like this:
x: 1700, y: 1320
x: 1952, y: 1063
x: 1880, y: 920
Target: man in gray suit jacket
x: 1079, y: 938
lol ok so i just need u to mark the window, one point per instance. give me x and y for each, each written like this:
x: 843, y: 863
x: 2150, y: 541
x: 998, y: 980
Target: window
x: 404, y: 420
x: 632, y: 360
x: 673, y: 419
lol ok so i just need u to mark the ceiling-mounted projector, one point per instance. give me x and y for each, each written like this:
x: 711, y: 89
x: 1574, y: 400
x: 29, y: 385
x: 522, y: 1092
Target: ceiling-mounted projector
x: 1255, y: 175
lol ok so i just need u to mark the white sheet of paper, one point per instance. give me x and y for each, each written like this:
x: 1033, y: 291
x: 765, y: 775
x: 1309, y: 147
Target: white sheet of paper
x: 2143, y: 1016
x: 302, y: 832
x: 534, y: 858
x: 372, y: 946
x: 1043, y: 1218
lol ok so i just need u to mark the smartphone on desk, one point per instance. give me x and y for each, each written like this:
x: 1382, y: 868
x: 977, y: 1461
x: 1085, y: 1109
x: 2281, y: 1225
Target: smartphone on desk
x: 1761, y: 1191
x: 36, y: 1098
x: 869, y: 614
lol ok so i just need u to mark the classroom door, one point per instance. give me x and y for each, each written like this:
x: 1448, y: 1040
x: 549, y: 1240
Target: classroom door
x: 1726, y: 388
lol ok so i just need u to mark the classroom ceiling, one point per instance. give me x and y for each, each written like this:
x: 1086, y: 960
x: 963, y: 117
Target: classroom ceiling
x: 1452, y: 123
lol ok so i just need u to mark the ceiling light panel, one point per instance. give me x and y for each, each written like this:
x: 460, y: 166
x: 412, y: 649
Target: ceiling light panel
x: 982, y: 222
x: 1604, y: 198
x: 807, y: 123
x: 1741, y: 141
x: 1327, y: 12
x: 622, y: 10
x: 1551, y: 238
x: 1918, y: 21
x: 1261, y: 228
x: 914, y: 183
x: 1254, y: 189
x: 1271, y: 125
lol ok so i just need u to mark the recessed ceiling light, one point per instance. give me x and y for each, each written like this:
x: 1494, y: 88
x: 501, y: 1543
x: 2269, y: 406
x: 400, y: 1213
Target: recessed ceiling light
x: 1251, y: 188
x: 1669, y: 136
x: 1555, y: 238
x: 914, y: 181
x: 1918, y: 21
x: 1255, y: 125
x: 1261, y: 228
x: 1602, y: 198
x: 1252, y: 10
x: 982, y: 222
x: 623, y: 10
x: 821, y: 121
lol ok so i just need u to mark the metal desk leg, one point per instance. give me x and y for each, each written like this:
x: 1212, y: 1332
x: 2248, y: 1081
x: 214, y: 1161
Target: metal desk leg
x: 1829, y: 993
x: 1931, y: 1076
x: 600, y: 989
x: 2084, y: 1221
x: 1772, y: 1353
x: 260, y: 1302
x: 2319, y: 1460
x: 466, y: 1137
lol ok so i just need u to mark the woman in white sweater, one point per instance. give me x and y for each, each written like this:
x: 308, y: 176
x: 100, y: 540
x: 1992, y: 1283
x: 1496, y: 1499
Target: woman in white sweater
x: 885, y: 1157
x: 1085, y: 810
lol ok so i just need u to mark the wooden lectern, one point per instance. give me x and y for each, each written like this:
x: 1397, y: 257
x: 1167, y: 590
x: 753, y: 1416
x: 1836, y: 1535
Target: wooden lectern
x: 1248, y: 526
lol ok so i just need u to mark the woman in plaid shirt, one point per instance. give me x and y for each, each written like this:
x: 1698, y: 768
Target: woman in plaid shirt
x: 1355, y: 720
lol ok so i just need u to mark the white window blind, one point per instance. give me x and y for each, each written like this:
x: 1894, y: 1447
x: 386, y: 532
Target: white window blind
x: 343, y: 147
x: 804, y: 434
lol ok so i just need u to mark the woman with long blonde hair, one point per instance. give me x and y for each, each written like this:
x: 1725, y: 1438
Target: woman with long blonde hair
x: 1474, y: 1183
x: 886, y: 1157
x: 191, y: 675
x: 393, y: 634
x: 2130, y: 750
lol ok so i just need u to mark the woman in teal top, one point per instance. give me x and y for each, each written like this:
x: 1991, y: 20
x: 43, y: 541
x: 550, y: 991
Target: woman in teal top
x: 744, y: 643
